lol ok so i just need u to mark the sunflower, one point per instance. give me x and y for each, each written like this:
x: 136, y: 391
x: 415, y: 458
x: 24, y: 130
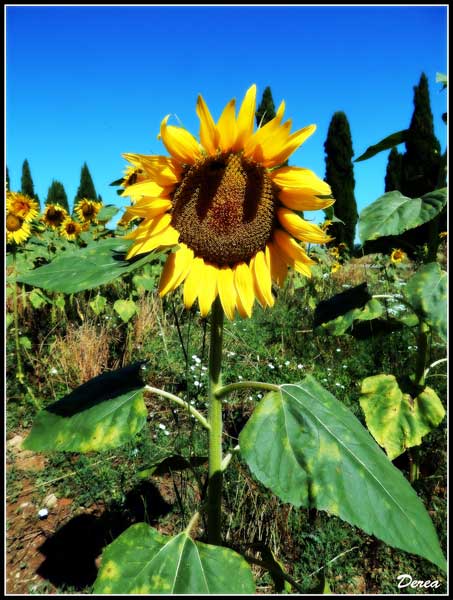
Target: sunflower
x: 54, y: 215
x: 21, y: 205
x: 443, y: 234
x: 230, y: 207
x: 397, y: 255
x: 17, y: 228
x: 87, y: 210
x: 335, y: 267
x: 70, y: 229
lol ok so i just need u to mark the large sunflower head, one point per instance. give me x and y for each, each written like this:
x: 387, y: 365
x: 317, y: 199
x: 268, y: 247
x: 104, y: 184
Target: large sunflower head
x: 21, y: 205
x: 17, y: 228
x: 87, y: 210
x: 229, y: 206
x: 70, y: 229
x: 54, y: 215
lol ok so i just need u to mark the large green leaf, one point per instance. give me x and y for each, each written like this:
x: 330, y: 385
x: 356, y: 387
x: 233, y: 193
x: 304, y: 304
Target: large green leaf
x: 86, y: 268
x: 142, y: 561
x: 103, y: 413
x: 106, y: 213
x: 426, y: 292
x: 346, y: 323
x: 391, y: 140
x: 395, y: 420
x: 393, y: 213
x: 310, y: 450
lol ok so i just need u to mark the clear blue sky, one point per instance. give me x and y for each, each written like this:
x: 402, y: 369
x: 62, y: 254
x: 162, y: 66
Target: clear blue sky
x: 89, y: 83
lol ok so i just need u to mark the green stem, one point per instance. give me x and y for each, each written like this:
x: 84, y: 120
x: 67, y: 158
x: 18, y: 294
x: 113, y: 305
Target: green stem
x: 193, y: 411
x: 215, y: 422
x: 226, y: 389
x: 19, y: 372
x: 422, y: 355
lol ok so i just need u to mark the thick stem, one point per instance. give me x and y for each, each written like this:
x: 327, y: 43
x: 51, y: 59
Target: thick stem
x: 215, y: 422
x: 422, y: 355
x: 19, y: 370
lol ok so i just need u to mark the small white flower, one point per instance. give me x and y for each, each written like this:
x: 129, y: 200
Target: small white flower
x: 240, y: 377
x: 345, y: 366
x: 53, y: 371
x: 338, y: 384
x: 299, y: 366
x: 338, y: 350
x: 271, y: 366
x: 162, y: 426
x: 287, y: 363
x: 324, y: 380
x: 42, y: 514
x: 166, y: 432
x: 192, y: 402
x: 192, y: 367
x: 259, y: 395
x: 250, y: 397
x: 204, y: 368
x: 196, y: 383
x: 135, y: 451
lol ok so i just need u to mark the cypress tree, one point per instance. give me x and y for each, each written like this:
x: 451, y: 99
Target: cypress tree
x: 8, y: 185
x: 422, y: 159
x: 57, y: 195
x: 340, y: 177
x: 26, y: 182
x: 266, y: 110
x: 393, y: 173
x: 86, y: 188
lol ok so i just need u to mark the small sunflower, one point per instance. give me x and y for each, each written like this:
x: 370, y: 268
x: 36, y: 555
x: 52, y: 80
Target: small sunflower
x: 443, y: 234
x: 54, y: 215
x: 21, y: 205
x: 335, y: 267
x: 87, y: 210
x: 70, y: 229
x: 230, y: 207
x: 334, y: 251
x: 397, y: 255
x: 17, y: 228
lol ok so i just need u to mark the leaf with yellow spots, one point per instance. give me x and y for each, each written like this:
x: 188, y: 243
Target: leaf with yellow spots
x: 332, y: 463
x: 426, y: 292
x: 395, y: 420
x: 142, y: 561
x: 103, y: 413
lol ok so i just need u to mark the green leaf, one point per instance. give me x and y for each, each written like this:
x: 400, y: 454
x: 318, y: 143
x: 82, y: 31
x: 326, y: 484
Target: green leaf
x: 60, y: 303
x: 310, y: 450
x: 25, y: 342
x: 37, y: 298
x: 106, y: 213
x: 98, y: 304
x: 386, y: 144
x: 393, y: 213
x: 126, y: 309
x: 395, y: 420
x: 144, y: 282
x: 86, y: 268
x: 347, y: 323
x: 142, y: 561
x: 426, y: 292
x: 9, y: 320
x: 103, y: 413
x: 442, y: 78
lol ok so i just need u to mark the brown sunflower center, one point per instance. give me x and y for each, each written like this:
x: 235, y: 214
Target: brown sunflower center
x: 13, y: 222
x: 224, y: 209
x: 89, y: 211
x: 71, y: 228
x: 54, y: 215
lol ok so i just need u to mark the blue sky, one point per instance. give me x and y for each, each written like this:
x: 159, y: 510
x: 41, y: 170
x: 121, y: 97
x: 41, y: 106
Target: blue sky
x: 88, y: 83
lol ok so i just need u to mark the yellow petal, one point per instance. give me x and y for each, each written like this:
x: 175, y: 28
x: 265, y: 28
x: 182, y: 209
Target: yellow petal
x: 149, y: 207
x: 209, y: 135
x: 262, y: 279
x: 292, y: 144
x: 208, y: 288
x: 243, y: 280
x: 227, y: 291
x: 147, y: 188
x: 277, y: 264
x: 161, y: 169
x: 263, y: 133
x: 180, y: 143
x: 272, y: 145
x: 303, y: 200
x: 297, y: 177
x: 241, y: 310
x: 226, y: 126
x: 246, y: 119
x: 149, y: 227
x: 192, y: 283
x: 168, y: 237
x: 301, y: 229
x: 175, y: 270
x: 294, y: 253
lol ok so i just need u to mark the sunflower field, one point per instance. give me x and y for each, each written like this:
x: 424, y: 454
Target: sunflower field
x: 216, y: 398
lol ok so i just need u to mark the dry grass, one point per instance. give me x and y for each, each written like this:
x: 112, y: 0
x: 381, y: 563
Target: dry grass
x: 149, y: 316
x: 83, y: 353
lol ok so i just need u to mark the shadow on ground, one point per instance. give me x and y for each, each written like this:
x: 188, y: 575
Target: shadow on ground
x: 72, y: 551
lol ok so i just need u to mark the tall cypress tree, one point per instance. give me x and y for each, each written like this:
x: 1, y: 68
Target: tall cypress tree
x: 393, y: 173
x: 86, y: 188
x: 266, y: 110
x: 57, y: 195
x: 26, y: 182
x: 340, y: 177
x: 8, y: 185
